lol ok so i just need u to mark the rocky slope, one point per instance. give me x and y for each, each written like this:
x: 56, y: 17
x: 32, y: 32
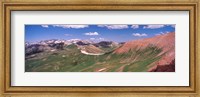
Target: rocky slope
x: 165, y: 42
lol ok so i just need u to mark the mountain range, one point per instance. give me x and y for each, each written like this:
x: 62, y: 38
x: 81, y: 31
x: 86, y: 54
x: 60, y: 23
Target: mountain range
x: 155, y: 54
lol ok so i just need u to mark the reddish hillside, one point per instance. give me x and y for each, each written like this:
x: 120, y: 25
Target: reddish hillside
x: 166, y: 42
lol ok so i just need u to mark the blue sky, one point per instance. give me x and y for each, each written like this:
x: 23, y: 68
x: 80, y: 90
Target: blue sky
x: 117, y: 33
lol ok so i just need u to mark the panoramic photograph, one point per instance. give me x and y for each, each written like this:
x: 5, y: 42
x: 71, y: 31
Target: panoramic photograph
x: 100, y: 48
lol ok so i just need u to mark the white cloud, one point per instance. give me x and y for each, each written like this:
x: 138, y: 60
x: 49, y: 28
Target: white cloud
x: 98, y: 39
x: 45, y: 26
x: 114, y: 26
x: 91, y: 33
x: 71, y: 26
x: 92, y: 38
x: 153, y: 26
x: 162, y: 33
x: 139, y: 35
x: 134, y: 26
x: 67, y: 34
x: 101, y: 38
x: 173, y: 26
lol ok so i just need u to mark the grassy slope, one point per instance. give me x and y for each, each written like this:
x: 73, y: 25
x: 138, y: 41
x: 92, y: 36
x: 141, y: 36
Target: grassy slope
x: 72, y: 60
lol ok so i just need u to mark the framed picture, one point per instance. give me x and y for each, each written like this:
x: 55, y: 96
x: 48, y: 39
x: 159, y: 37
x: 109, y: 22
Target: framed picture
x: 99, y: 48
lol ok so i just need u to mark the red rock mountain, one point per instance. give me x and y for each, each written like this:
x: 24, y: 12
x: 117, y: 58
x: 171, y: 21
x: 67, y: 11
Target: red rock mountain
x: 166, y: 42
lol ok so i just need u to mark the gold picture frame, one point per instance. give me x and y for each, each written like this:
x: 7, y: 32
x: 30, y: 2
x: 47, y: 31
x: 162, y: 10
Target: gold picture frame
x: 123, y: 5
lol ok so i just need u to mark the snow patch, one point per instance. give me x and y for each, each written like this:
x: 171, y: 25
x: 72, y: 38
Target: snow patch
x: 84, y: 52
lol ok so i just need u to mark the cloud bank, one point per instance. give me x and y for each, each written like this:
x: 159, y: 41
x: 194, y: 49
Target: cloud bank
x: 71, y: 26
x: 134, y: 26
x: 45, y: 26
x: 153, y: 26
x: 114, y: 26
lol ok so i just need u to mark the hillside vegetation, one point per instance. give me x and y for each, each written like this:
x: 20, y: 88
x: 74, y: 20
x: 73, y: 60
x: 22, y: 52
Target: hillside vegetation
x: 155, y: 54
